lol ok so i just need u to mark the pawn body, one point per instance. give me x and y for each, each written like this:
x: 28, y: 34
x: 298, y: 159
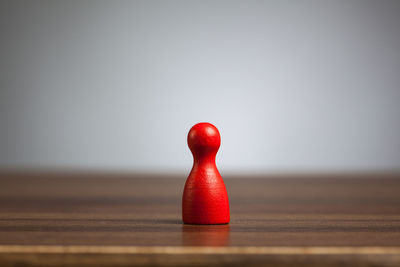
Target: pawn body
x: 205, y: 199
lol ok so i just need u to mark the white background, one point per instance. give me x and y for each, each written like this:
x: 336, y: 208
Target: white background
x: 292, y: 85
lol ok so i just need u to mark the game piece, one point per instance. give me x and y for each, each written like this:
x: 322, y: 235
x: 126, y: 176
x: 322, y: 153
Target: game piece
x: 205, y: 200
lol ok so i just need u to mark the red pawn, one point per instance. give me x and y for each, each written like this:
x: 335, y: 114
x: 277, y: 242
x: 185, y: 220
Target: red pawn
x: 205, y: 200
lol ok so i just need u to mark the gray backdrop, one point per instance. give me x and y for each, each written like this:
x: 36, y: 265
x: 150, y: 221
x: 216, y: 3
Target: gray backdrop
x: 291, y: 85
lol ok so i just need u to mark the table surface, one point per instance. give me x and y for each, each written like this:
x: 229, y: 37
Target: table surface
x: 56, y: 218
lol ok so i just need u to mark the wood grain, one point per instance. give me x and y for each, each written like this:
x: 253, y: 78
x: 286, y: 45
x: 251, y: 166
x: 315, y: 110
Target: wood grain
x: 327, y: 213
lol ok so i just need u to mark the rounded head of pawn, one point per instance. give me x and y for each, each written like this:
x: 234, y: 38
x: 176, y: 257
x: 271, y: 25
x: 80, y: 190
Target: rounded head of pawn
x: 203, y: 138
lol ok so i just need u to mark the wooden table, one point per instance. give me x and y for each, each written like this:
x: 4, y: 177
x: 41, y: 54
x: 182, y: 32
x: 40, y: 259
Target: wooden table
x: 64, y: 219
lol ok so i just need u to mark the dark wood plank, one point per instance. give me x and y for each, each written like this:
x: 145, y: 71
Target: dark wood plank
x: 114, y: 209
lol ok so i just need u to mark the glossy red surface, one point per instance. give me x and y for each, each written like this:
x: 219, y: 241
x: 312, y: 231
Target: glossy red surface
x: 205, y: 199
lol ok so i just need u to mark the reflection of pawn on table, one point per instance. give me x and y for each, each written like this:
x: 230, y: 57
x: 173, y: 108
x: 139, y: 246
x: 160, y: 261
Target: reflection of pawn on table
x: 205, y: 200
